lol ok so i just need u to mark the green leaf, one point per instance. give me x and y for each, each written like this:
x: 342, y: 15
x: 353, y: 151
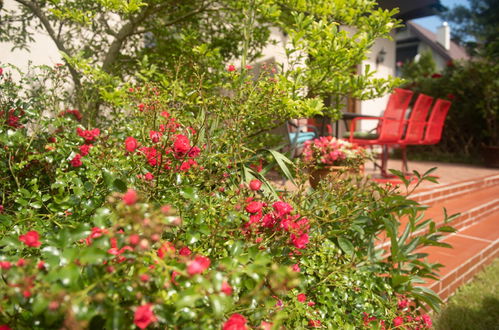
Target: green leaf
x: 108, y: 177
x: 40, y: 304
x: 120, y: 185
x: 188, y: 300
x: 398, y: 279
x: 447, y: 229
x: 219, y: 304
x: 69, y: 276
x: 189, y: 193
x: 282, y: 160
x: 93, y: 255
x: 346, y: 245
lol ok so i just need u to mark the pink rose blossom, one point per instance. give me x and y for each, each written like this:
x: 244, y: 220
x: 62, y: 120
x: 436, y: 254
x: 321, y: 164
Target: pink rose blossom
x: 31, y: 238
x: 235, y: 322
x: 144, y: 316
x: 198, y: 265
x: 130, y: 197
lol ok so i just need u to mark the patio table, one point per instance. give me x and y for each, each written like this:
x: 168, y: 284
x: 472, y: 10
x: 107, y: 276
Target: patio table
x: 345, y: 116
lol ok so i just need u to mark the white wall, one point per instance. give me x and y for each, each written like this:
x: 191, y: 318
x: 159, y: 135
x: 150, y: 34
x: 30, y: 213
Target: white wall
x: 375, y: 107
x: 275, y: 49
x: 42, y: 50
x: 440, y: 62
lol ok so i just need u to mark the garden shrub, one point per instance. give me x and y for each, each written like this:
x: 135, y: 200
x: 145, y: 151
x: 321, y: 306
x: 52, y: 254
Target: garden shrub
x: 473, y: 118
x: 158, y: 219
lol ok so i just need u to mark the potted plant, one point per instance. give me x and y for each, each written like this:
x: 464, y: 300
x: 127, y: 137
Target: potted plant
x: 327, y: 154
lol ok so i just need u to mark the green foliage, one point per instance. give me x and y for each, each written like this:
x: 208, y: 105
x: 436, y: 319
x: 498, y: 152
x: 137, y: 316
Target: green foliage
x: 475, y: 25
x: 472, y: 88
x: 154, y: 216
x: 416, y: 71
x: 102, y: 42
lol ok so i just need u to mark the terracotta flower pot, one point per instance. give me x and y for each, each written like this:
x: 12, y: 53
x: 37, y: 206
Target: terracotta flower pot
x: 331, y: 172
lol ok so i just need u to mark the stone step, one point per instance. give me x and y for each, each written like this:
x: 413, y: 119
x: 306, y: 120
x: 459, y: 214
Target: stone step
x: 471, y: 206
x: 438, y: 194
x: 472, y: 249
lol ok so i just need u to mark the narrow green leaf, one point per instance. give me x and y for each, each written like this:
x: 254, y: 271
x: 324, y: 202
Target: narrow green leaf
x: 282, y: 160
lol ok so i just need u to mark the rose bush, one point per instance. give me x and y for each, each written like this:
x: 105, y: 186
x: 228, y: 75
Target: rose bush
x: 156, y: 218
x: 329, y: 151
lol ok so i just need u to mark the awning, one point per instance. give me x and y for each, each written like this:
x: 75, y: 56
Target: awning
x: 412, y: 9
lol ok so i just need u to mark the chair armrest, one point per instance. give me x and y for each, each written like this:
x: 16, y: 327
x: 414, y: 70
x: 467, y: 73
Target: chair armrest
x: 354, y: 120
x: 298, y: 127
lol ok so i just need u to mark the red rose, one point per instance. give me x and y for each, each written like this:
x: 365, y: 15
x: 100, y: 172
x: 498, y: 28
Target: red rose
x: 436, y: 75
x: 398, y: 321
x: 194, y: 152
x: 300, y: 242
x: 21, y: 262
x: 131, y: 144
x: 181, y: 144
x: 76, y: 161
x: 141, y: 107
x: 231, y: 68
x: 130, y: 197
x: 226, y: 288
x: 427, y: 320
x: 155, y: 136
x: 235, y: 322
x: 254, y: 207
x: 314, y: 323
x: 296, y: 268
x: 85, y: 149
x: 88, y: 135
x: 134, y: 239
x: 4, y: 326
x: 255, y: 185
x: 149, y: 176
x: 166, y: 249
x: 265, y: 325
x: 403, y: 303
x: 198, y: 265
x: 144, y: 316
x: 282, y: 208
x: 1, y: 71
x: 185, y: 251
x: 301, y: 297
x: 5, y: 265
x: 31, y: 238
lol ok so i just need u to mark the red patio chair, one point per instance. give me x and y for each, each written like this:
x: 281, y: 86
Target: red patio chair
x: 415, y: 126
x: 390, y: 126
x: 435, y: 125
x: 434, y: 128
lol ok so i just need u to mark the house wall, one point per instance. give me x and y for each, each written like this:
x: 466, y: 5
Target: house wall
x: 440, y: 62
x: 43, y: 50
x: 375, y: 107
x: 275, y: 49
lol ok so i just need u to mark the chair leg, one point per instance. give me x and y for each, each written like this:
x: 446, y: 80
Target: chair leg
x: 384, y: 161
x: 405, y: 166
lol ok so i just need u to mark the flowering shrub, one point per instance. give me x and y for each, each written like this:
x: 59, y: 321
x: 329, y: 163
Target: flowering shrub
x: 156, y: 219
x: 330, y: 151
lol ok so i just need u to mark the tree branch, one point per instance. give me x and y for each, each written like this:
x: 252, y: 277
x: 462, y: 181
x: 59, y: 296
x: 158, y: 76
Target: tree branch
x: 37, y: 11
x: 130, y: 28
